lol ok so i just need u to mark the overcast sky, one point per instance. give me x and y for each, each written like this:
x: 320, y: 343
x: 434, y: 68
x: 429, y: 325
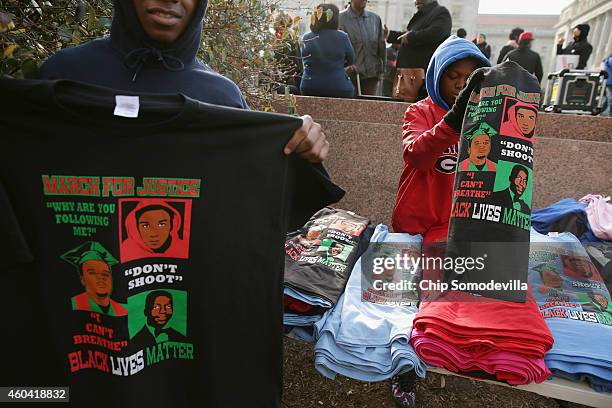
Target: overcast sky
x: 522, y: 6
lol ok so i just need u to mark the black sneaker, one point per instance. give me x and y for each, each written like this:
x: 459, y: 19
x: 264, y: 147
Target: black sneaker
x: 403, y: 389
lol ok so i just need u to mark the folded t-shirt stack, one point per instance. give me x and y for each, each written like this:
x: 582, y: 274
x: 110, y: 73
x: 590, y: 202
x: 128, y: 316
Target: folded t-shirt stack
x: 366, y: 335
x: 567, y: 215
x: 575, y: 304
x: 599, y: 214
x: 463, y: 333
x: 318, y: 261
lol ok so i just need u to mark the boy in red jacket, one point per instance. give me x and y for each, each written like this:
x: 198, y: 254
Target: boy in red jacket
x: 431, y: 134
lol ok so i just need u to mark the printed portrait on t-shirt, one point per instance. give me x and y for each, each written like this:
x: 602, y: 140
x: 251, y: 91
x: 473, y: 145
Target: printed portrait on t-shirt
x: 154, y: 228
x: 312, y: 237
x: 569, y: 274
x: 336, y: 250
x: 157, y: 316
x: 512, y: 188
x: 518, y: 119
x: 350, y: 227
x: 394, y: 268
x: 596, y: 302
x: 479, y: 141
x: 93, y: 263
x: 550, y: 277
x: 578, y: 267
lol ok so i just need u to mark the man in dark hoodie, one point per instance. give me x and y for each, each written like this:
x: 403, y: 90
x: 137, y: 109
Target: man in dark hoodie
x: 152, y: 48
x: 580, y: 46
x: 427, y: 29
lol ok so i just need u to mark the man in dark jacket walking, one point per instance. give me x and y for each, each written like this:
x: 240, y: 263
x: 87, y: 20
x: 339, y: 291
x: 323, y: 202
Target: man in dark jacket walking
x: 427, y: 29
x: 526, y: 57
x: 511, y: 45
x: 580, y: 46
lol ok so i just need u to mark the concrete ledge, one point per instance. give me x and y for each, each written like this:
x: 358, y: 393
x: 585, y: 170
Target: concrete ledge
x: 573, y: 154
x: 579, y: 127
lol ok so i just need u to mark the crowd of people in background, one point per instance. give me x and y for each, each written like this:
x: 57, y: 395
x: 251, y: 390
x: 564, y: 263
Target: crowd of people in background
x: 351, y: 53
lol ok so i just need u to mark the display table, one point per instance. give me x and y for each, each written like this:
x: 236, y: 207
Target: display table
x: 558, y: 388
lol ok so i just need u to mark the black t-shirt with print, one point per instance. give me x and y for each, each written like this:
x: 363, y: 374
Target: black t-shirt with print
x: 320, y: 256
x: 491, y: 212
x: 167, y: 228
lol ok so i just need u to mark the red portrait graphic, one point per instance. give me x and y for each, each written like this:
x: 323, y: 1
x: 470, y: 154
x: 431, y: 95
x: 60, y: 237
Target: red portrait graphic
x: 154, y: 228
x: 350, y: 227
x: 519, y: 119
x: 579, y: 267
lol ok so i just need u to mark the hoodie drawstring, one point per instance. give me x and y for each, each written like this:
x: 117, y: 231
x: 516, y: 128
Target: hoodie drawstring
x: 138, y: 56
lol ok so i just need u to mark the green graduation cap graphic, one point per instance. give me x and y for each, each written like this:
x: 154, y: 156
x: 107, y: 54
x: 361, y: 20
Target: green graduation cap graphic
x: 89, y: 251
x: 481, y: 129
x: 326, y: 244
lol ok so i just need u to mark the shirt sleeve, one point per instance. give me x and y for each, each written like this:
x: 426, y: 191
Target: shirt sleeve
x: 15, y: 250
x: 424, y: 144
x: 392, y: 38
x: 305, y: 48
x: 350, y: 52
x: 341, y: 25
x: 561, y: 50
x: 382, y: 49
x: 47, y: 69
x: 310, y: 188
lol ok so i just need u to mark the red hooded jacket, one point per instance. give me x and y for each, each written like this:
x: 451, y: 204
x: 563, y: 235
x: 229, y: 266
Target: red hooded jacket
x: 424, y: 196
